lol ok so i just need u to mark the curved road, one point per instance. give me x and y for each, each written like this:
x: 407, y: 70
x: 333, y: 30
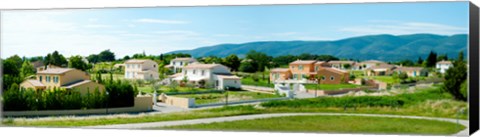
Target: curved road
x: 257, y: 116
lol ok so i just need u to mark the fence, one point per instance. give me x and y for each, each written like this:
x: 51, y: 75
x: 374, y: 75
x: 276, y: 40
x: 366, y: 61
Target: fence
x: 141, y: 104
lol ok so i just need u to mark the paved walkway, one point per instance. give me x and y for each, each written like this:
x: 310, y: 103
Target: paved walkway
x: 257, y: 116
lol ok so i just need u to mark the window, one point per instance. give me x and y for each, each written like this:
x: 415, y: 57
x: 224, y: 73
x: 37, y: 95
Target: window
x: 154, y: 66
x: 40, y: 78
x: 194, y: 71
x: 316, y: 68
x: 173, y: 63
x: 332, y: 78
x: 55, y: 79
x: 203, y: 72
x: 181, y: 63
x: 235, y: 81
x: 300, y: 67
x: 295, y: 76
x: 323, y: 77
x: 47, y: 78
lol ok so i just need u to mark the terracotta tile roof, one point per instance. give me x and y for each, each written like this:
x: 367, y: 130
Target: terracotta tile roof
x: 55, y: 71
x: 303, y: 62
x: 201, y: 66
x: 320, y: 62
x: 183, y: 59
x: 382, y: 66
x: 444, y: 62
x: 338, y: 71
x: 35, y: 83
x: 409, y: 68
x: 340, y: 62
x: 136, y: 61
x: 280, y: 70
x: 372, y: 61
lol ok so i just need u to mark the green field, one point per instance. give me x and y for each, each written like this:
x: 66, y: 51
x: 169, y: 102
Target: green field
x: 232, y: 96
x: 331, y: 86
x: 262, y: 83
x: 334, y: 124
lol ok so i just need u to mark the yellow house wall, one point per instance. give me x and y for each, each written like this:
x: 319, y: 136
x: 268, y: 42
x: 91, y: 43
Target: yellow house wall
x: 91, y: 86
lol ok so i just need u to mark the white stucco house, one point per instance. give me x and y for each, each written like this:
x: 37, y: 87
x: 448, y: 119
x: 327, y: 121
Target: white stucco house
x: 443, y: 65
x: 144, y: 69
x: 219, y: 76
x: 178, y: 63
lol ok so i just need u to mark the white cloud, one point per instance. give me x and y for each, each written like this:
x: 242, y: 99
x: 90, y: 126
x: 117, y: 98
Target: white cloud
x: 97, y: 26
x: 399, y: 28
x: 177, y: 32
x: 285, y: 33
x: 161, y: 21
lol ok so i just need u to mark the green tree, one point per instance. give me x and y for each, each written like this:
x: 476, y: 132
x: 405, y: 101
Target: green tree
x: 106, y: 55
x: 56, y: 59
x: 402, y: 76
x: 232, y: 61
x: 431, y: 60
x: 259, y: 60
x: 454, y: 77
x: 419, y: 61
x: 247, y: 66
x: 78, y: 63
x: 27, y: 69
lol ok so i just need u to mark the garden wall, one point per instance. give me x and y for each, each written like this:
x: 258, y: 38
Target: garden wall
x: 178, y: 101
x: 141, y: 104
x: 341, y: 91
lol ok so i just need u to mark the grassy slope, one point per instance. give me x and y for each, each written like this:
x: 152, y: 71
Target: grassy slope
x: 250, y: 81
x: 335, y: 124
x: 232, y: 96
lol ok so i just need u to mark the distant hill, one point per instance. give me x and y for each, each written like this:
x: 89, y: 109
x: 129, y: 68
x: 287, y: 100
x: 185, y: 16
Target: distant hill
x: 380, y: 47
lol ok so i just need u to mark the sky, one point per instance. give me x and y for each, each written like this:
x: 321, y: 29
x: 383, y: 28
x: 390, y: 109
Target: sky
x: 157, y: 30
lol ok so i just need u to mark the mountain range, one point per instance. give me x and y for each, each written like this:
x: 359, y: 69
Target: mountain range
x: 379, y: 47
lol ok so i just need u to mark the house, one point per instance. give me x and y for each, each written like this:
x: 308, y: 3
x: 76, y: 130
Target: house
x: 332, y: 76
x: 412, y: 71
x: 219, y: 76
x: 64, y: 78
x: 380, y: 70
x: 302, y: 69
x: 144, y: 69
x: 341, y: 64
x: 443, y: 65
x: 280, y: 74
x: 367, y: 64
x: 178, y: 63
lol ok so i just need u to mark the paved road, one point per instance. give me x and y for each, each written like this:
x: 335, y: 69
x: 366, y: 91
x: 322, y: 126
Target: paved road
x: 257, y: 116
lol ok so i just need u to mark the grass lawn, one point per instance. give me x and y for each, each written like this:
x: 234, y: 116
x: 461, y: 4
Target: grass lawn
x: 331, y: 86
x: 387, y: 79
x: 107, y: 76
x: 69, y: 122
x: 148, y: 89
x: 334, y: 124
x: 232, y: 96
x: 250, y: 81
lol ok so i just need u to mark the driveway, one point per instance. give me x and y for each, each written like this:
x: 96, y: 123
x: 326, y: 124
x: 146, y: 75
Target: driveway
x: 257, y: 116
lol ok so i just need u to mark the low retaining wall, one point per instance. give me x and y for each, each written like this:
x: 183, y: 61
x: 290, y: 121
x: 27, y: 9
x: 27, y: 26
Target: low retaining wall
x: 240, y: 102
x: 177, y: 101
x: 341, y: 91
x: 194, y: 92
x: 142, y: 104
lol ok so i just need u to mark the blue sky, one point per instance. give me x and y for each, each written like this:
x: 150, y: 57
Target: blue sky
x: 126, y: 31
